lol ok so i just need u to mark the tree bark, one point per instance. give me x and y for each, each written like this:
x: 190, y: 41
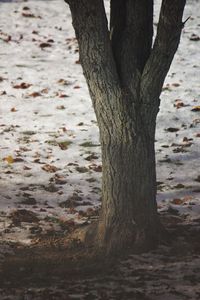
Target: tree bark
x: 129, y: 210
x: 125, y: 77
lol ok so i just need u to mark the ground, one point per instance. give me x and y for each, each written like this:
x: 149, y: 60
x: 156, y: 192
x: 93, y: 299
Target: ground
x: 51, y: 163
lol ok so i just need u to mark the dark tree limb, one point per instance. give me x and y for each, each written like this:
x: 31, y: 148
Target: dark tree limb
x: 166, y: 43
x: 131, y: 31
x: 91, y: 28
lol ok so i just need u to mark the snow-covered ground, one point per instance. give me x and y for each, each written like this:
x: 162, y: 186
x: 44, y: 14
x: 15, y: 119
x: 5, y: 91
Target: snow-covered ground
x: 50, y: 157
x: 49, y: 151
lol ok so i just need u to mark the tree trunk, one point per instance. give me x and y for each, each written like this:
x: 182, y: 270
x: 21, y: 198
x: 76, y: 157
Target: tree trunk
x: 125, y: 75
x: 129, y: 210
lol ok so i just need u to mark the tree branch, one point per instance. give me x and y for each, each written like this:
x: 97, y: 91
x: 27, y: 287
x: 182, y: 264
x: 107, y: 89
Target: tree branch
x: 166, y: 43
x: 90, y: 24
x: 132, y: 31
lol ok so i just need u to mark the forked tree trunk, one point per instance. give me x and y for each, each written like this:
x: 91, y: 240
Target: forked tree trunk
x: 125, y: 77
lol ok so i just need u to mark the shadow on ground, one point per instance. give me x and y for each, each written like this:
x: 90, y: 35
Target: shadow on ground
x: 48, y: 270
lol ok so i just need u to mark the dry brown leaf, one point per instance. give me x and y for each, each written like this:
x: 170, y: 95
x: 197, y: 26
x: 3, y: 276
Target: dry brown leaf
x: 63, y: 96
x: 196, y: 108
x: 194, y: 37
x: 50, y: 41
x: 26, y: 8
x: 63, y: 81
x: 22, y: 85
x: 13, y: 109
x: 175, y: 84
x: 44, y: 45
x: 50, y: 168
x: 172, y: 129
x: 35, y: 94
x: 179, y: 103
x: 30, y: 15
x: 18, y: 159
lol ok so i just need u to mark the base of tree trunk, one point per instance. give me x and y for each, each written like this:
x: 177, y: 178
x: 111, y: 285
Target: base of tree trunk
x: 122, y: 239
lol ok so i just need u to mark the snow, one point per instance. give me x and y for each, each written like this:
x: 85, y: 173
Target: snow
x: 57, y: 108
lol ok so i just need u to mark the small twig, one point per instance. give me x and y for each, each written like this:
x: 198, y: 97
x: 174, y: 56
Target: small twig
x: 183, y: 24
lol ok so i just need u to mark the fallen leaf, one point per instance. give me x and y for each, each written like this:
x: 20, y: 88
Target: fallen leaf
x: 64, y: 145
x: 194, y: 37
x: 176, y: 84
x: 59, y: 179
x: 18, y: 159
x: 196, y: 108
x: 179, y: 103
x: 2, y: 79
x: 185, y: 139
x: 5, y: 37
x: 35, y: 94
x: 61, y: 107
x: 50, y: 168
x: 45, y: 45
x: 63, y: 96
x: 63, y: 82
x: 28, y: 15
x: 26, y: 8
x: 13, y: 109
x: 9, y: 159
x: 82, y: 169
x: 50, y: 41
x: 22, y: 85
x: 171, y: 129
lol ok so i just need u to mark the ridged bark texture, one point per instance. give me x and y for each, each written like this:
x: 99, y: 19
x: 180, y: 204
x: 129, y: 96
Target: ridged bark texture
x: 125, y: 75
